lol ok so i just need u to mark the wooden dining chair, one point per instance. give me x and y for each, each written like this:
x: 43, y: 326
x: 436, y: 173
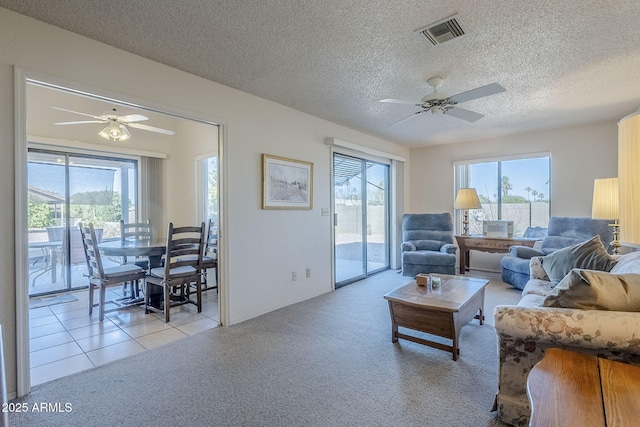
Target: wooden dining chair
x: 100, y: 278
x: 182, y: 270
x: 135, y: 231
x: 210, y: 256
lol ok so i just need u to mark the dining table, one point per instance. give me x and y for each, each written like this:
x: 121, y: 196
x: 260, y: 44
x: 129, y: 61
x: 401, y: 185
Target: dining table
x: 151, y: 248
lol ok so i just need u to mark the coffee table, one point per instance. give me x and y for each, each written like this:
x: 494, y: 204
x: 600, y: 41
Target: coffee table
x: 442, y: 312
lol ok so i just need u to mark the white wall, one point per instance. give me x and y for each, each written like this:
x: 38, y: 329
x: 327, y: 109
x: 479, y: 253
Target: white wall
x: 195, y: 139
x: 264, y: 247
x: 578, y: 156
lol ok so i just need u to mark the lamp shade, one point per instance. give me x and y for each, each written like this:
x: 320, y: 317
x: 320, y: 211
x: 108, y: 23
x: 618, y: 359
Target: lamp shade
x: 605, y: 199
x: 629, y: 178
x: 467, y: 198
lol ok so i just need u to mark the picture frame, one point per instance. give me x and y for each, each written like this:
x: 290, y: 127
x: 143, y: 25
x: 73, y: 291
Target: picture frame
x: 286, y: 183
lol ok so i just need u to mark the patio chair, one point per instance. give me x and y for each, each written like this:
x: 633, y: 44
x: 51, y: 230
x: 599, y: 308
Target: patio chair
x: 76, y: 251
x: 100, y: 278
x: 182, y: 270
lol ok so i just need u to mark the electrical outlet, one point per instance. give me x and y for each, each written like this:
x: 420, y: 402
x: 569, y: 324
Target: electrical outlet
x: 294, y: 276
x: 308, y: 272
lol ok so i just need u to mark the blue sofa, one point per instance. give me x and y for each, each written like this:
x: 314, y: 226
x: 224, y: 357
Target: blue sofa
x: 427, y: 244
x: 561, y: 232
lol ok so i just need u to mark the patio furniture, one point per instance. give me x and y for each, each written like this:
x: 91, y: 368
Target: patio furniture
x: 182, y: 270
x: 100, y: 278
x: 76, y: 251
x: 47, y: 259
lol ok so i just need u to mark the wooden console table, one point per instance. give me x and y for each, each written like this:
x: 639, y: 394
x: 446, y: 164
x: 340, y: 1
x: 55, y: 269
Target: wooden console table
x: 574, y: 389
x: 488, y: 244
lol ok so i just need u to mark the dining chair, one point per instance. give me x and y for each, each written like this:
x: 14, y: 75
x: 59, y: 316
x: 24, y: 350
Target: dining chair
x: 76, y: 252
x: 135, y: 231
x: 182, y: 270
x: 210, y: 256
x: 100, y: 278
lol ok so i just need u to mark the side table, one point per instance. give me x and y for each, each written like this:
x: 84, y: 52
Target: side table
x: 488, y: 244
x: 573, y: 389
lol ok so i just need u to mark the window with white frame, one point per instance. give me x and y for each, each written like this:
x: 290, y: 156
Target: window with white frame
x: 207, y: 188
x: 510, y: 189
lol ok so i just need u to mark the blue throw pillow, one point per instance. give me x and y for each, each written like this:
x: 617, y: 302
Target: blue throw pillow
x: 589, y: 255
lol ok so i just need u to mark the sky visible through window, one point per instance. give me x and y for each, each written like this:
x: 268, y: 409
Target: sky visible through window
x: 528, y: 178
x: 50, y: 177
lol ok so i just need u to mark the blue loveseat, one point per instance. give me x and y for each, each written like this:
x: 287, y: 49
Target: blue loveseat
x: 427, y: 244
x: 561, y: 232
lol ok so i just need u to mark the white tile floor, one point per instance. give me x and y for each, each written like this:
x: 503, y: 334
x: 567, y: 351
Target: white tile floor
x: 64, y: 339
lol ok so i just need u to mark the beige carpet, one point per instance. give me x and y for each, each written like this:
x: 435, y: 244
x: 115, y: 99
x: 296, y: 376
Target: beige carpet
x: 328, y: 361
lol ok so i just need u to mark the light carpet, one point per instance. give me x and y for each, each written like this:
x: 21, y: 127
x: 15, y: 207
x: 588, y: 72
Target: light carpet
x: 328, y: 361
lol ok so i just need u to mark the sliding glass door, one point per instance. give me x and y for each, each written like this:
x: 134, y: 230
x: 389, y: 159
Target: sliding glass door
x: 65, y: 189
x: 361, y: 209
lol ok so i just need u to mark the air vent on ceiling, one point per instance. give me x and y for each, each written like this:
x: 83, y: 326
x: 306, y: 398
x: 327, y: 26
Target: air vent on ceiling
x: 442, y: 31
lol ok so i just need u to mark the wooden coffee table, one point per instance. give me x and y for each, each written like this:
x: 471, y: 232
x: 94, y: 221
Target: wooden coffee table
x: 442, y: 312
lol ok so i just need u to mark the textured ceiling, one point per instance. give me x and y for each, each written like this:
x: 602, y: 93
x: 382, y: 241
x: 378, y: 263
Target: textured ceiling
x: 562, y: 62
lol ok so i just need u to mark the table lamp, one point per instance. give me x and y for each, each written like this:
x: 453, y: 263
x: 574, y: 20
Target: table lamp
x: 629, y: 179
x: 605, y: 206
x: 466, y: 199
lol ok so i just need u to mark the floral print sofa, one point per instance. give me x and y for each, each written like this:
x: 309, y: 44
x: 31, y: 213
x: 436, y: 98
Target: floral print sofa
x: 527, y: 330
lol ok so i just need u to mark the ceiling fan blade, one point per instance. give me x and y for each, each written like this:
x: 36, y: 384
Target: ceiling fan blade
x: 461, y: 113
x: 400, y: 101
x: 150, y: 128
x: 81, y: 122
x: 133, y: 118
x: 76, y: 112
x: 410, y: 116
x: 125, y: 130
x: 476, y: 93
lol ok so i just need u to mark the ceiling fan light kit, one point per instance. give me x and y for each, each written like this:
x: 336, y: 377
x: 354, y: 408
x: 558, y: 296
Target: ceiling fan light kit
x: 439, y: 103
x: 115, y: 132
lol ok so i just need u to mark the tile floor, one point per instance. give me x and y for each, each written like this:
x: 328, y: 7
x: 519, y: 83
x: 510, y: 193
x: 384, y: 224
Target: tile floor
x: 64, y: 339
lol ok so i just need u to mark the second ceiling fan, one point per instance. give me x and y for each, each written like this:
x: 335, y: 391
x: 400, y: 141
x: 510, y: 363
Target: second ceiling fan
x: 116, y: 128
x: 439, y: 103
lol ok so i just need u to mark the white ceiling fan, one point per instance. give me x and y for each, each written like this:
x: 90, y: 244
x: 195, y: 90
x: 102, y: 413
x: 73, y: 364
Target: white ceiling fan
x: 116, y: 128
x: 439, y: 103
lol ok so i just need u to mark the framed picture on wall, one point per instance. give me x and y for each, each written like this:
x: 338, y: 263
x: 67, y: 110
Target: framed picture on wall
x: 286, y: 183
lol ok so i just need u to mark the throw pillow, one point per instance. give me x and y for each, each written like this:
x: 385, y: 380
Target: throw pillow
x: 596, y: 290
x: 589, y: 255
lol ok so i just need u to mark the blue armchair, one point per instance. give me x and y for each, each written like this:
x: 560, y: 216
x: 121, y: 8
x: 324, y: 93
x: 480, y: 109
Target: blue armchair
x: 562, y: 232
x: 427, y: 244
